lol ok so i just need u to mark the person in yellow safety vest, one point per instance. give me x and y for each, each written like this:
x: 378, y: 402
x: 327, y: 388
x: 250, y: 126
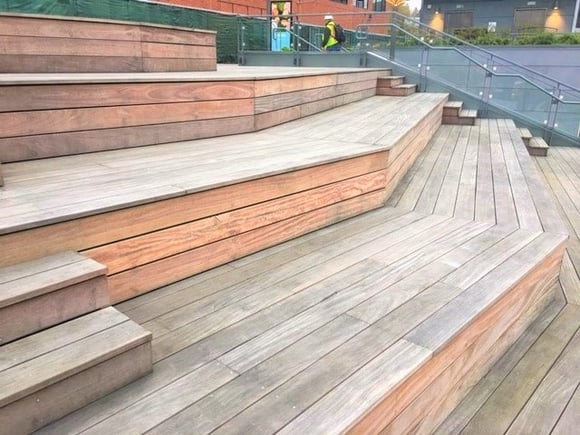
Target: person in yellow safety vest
x: 329, y: 42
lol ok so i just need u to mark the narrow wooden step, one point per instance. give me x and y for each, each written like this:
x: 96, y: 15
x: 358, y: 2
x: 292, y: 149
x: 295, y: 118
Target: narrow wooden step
x: 1, y: 176
x: 463, y: 117
x: 526, y: 135
x: 398, y: 90
x: 538, y: 147
x: 390, y: 81
x: 47, y: 375
x: 45, y: 292
x: 452, y: 108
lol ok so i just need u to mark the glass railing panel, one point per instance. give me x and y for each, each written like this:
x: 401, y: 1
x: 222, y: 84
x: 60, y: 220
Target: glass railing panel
x: 256, y: 35
x: 520, y: 96
x: 568, y: 119
x: 453, y: 68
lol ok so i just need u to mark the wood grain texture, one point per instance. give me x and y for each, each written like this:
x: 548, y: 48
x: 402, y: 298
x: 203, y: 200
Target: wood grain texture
x: 480, y: 393
x: 148, y: 277
x: 50, y: 44
x: 41, y: 383
x: 88, y: 232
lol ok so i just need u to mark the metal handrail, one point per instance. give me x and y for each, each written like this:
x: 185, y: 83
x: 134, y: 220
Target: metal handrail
x: 477, y: 48
x: 509, y: 63
x: 484, y: 67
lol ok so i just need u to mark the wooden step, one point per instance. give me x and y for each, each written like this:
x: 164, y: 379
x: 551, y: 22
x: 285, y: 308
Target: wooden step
x: 1, y: 176
x: 42, y: 293
x: 390, y: 81
x: 538, y: 147
x: 526, y: 135
x: 47, y: 375
x: 463, y: 117
x: 452, y: 108
x: 398, y: 90
x: 69, y: 44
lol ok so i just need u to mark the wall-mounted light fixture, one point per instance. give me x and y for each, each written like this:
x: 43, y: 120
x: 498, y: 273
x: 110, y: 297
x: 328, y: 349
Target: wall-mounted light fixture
x: 555, y: 6
x: 437, y: 11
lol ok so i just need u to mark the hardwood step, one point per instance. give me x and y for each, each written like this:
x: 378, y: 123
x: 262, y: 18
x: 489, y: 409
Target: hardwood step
x: 1, y: 176
x: 398, y: 90
x: 45, y: 292
x: 526, y: 135
x: 538, y: 147
x: 452, y: 108
x: 465, y: 338
x: 390, y: 81
x: 463, y: 117
x: 47, y: 375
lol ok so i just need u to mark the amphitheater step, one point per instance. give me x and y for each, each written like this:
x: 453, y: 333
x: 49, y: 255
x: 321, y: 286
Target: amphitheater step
x: 52, y: 373
x: 42, y: 293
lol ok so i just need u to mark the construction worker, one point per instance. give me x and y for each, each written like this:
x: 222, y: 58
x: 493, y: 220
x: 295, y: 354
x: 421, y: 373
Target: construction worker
x: 329, y: 42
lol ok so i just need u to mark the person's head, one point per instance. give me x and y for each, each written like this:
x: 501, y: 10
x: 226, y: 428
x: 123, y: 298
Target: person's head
x: 328, y: 18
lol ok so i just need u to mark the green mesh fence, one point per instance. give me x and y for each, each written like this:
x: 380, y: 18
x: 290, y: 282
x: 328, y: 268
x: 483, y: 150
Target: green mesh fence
x: 226, y: 26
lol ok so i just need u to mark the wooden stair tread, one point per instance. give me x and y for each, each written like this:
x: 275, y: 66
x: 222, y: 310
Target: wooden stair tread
x: 405, y: 86
x: 538, y: 142
x: 468, y: 113
x: 37, y: 277
x: 22, y: 378
x: 440, y: 328
x: 526, y: 134
x: 453, y: 104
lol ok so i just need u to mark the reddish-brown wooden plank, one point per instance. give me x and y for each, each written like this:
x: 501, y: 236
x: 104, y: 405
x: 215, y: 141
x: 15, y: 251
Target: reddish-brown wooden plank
x: 148, y: 277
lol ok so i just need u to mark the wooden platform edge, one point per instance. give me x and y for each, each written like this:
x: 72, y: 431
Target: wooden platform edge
x: 422, y: 402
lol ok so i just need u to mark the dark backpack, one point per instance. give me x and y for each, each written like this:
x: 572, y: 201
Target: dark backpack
x: 340, y: 36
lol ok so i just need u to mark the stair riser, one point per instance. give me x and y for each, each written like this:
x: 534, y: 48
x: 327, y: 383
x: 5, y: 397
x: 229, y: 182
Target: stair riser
x: 36, y: 314
x: 451, y: 111
x: 51, y: 403
x: 396, y: 92
x: 538, y: 152
x: 452, y: 120
x: 387, y: 83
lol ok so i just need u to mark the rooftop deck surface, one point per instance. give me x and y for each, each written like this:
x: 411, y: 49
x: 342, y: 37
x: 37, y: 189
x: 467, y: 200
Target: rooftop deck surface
x: 274, y: 340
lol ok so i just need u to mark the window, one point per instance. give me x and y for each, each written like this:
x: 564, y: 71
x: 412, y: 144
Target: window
x: 458, y: 20
x: 529, y: 19
x: 379, y: 5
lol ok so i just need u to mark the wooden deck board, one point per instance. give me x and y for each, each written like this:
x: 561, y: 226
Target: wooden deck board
x: 480, y: 393
x: 309, y: 335
x: 562, y: 174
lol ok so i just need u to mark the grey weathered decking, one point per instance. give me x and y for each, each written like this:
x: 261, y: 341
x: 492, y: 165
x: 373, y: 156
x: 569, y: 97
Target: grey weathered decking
x: 274, y: 340
x: 40, y: 192
x: 534, y: 387
x: 561, y: 170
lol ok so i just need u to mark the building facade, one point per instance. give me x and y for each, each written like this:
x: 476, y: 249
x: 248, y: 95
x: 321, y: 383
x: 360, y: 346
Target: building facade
x: 312, y: 11
x: 514, y: 16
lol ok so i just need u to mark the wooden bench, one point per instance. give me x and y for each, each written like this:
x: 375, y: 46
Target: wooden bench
x: 49, y: 44
x: 41, y: 293
x: 50, y: 374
